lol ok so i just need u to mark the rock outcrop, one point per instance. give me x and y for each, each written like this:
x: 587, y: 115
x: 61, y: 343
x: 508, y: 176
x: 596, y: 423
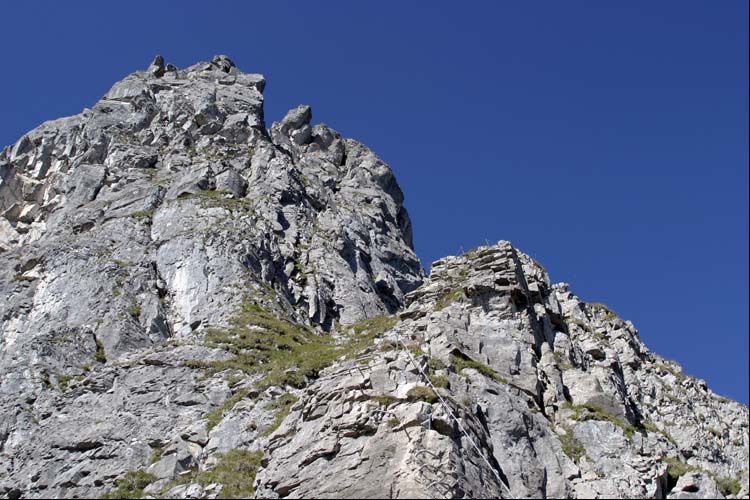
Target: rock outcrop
x: 198, y: 306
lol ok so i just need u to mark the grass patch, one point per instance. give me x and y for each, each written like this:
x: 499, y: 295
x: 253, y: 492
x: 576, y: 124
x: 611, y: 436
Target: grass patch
x: 221, y: 199
x: 157, y: 452
x: 571, y: 446
x: 374, y: 326
x: 215, y: 416
x: 233, y: 380
x: 22, y: 277
x: 421, y: 393
x: 64, y: 380
x: 287, y: 354
x: 461, y: 363
x: 389, y: 345
x: 562, y: 362
x: 385, y: 400
x: 675, y: 469
x: 283, y: 405
x: 134, y: 311
x: 447, y: 298
x: 651, y: 427
x: 674, y: 371
x: 593, y: 412
x: 575, y: 321
x: 235, y: 471
x: 598, y: 306
x: 143, y: 214
x: 131, y: 485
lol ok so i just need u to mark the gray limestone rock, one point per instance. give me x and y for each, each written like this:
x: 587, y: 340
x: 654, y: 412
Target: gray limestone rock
x: 186, y: 292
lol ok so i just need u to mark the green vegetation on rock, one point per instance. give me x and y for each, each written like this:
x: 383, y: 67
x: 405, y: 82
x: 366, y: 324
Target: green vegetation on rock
x: 421, y: 393
x: 594, y: 412
x: 728, y: 486
x: 461, y: 363
x: 284, y: 352
x: 235, y: 470
x: 598, y: 306
x: 571, y: 446
x: 385, y: 400
x: 131, y: 485
x: 100, y: 355
x: 283, y: 405
x: 448, y: 297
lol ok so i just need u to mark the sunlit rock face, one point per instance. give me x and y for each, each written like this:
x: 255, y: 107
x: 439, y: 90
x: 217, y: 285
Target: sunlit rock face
x: 195, y: 305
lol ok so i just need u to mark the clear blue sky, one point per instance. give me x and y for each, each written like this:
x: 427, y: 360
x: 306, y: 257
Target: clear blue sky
x: 609, y: 141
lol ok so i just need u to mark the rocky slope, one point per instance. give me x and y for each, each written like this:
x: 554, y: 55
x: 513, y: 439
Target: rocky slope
x: 198, y: 306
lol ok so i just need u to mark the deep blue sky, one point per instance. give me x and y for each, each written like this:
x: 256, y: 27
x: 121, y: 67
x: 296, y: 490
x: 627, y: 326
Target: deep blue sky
x: 607, y: 141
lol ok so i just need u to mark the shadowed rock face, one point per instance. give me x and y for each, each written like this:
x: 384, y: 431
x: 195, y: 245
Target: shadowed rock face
x: 186, y: 291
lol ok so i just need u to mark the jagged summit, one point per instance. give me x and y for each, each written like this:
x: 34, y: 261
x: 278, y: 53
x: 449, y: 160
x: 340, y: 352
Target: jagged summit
x: 195, y: 305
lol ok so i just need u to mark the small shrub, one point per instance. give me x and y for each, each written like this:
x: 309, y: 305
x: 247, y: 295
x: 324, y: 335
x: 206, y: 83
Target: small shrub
x: 728, y: 486
x: 435, y: 364
x: 100, y: 355
x: 393, y: 422
x: 439, y: 381
x: 421, y: 393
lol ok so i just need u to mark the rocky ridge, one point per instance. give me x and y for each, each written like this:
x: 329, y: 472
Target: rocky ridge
x: 198, y: 306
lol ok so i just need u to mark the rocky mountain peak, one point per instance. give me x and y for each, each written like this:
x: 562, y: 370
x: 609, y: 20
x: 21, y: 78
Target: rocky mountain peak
x: 197, y: 306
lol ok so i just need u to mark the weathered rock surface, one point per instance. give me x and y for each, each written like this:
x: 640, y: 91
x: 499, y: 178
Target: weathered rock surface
x: 176, y: 277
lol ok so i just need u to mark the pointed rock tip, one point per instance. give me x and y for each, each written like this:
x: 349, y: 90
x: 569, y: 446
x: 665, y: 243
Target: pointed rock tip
x: 223, y: 62
x: 157, y: 66
x: 297, y: 117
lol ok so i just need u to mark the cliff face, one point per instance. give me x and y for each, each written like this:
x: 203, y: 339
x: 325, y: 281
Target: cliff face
x: 196, y: 305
